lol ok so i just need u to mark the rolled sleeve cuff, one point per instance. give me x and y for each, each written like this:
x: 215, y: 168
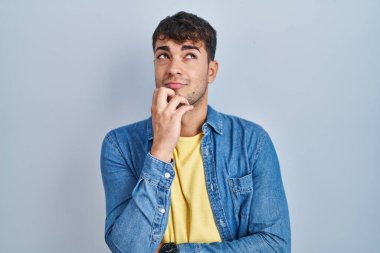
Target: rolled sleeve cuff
x: 157, y: 171
x: 188, y: 247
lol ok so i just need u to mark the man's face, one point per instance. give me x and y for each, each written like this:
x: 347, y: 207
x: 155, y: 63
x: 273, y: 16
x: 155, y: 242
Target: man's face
x: 184, y: 68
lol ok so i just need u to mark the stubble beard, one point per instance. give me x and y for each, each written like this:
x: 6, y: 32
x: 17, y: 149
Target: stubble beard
x: 196, y: 97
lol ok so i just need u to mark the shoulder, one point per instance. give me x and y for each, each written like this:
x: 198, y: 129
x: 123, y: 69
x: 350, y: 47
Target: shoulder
x: 244, y: 123
x: 137, y: 130
x: 234, y: 123
x: 247, y: 132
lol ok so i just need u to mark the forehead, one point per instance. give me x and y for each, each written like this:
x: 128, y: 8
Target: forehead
x: 172, y: 44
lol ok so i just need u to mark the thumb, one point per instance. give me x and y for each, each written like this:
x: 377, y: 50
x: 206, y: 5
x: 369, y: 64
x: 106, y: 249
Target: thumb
x: 185, y: 108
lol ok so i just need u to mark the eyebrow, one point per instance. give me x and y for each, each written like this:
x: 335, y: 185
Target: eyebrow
x: 184, y: 47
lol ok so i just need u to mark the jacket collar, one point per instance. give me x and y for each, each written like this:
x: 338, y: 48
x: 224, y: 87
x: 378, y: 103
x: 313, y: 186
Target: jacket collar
x: 213, y: 120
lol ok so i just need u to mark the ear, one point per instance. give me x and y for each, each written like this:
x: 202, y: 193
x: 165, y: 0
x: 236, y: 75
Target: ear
x: 212, y: 71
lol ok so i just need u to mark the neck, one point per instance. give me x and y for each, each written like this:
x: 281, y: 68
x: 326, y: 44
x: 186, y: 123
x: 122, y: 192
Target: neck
x: 193, y: 120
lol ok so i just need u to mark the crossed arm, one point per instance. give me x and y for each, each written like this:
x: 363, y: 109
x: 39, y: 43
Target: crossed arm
x: 135, y: 221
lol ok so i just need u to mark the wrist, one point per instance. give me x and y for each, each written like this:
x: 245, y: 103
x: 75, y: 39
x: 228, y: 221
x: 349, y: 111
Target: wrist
x: 169, y: 247
x: 161, y: 155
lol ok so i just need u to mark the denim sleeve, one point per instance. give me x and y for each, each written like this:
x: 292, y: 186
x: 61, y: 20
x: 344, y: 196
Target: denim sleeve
x: 269, y: 226
x: 135, y: 206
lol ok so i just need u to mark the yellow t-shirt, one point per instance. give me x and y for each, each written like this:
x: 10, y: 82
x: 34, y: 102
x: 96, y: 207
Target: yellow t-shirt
x: 190, y: 216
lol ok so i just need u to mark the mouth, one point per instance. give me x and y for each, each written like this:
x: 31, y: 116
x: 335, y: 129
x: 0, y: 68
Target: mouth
x: 174, y: 85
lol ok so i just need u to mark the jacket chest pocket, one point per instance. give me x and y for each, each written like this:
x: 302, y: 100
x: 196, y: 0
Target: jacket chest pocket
x: 241, y: 191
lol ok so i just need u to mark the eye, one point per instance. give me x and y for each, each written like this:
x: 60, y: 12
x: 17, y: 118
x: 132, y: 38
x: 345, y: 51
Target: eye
x: 192, y: 56
x: 162, y: 56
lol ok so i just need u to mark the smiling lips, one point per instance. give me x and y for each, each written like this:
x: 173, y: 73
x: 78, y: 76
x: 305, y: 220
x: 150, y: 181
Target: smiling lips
x: 174, y: 85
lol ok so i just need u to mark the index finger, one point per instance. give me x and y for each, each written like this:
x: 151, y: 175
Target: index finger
x: 161, y: 96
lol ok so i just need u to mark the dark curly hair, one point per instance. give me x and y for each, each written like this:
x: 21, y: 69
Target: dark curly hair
x: 184, y: 26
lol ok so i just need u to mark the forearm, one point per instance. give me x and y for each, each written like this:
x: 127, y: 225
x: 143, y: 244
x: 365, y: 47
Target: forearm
x: 137, y: 208
x: 133, y: 230
x: 259, y: 242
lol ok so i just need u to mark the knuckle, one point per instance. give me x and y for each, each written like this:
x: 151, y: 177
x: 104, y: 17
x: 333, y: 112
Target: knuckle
x: 158, y: 90
x: 180, y: 98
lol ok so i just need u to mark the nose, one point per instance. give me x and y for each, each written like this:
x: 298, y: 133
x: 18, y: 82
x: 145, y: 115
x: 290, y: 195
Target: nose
x: 175, y: 67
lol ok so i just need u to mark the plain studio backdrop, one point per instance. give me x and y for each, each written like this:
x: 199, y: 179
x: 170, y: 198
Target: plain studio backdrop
x: 70, y: 71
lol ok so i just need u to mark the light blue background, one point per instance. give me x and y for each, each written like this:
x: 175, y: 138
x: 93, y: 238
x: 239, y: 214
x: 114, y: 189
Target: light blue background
x: 308, y: 71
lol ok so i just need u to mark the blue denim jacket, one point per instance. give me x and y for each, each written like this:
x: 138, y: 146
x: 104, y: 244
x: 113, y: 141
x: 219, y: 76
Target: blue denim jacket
x: 243, y: 182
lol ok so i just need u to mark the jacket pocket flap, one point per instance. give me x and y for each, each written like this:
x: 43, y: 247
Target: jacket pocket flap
x: 241, y: 184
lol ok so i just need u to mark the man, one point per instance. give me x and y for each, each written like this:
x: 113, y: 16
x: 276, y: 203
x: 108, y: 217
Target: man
x: 189, y: 178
